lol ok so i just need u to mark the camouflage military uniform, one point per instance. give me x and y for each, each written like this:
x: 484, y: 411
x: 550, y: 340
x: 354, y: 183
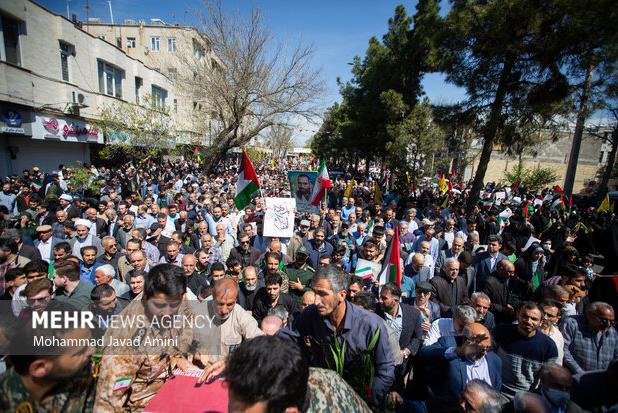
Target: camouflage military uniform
x: 129, y: 377
x: 329, y: 393
x: 73, y: 396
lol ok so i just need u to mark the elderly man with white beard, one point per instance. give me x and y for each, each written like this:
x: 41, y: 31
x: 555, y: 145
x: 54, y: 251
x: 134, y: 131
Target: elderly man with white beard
x: 248, y: 287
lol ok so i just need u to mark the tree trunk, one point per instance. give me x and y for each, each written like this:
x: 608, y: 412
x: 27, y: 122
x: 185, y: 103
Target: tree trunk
x: 489, y: 135
x: 582, y: 114
x: 609, y: 168
x: 215, y: 159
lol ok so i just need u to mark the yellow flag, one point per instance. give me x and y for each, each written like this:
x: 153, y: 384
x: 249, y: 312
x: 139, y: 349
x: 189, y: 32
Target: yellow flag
x: 442, y: 184
x: 445, y: 203
x: 604, y: 207
x: 377, y: 195
x: 348, y: 191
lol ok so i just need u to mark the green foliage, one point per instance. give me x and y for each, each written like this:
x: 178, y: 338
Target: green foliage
x: 254, y: 154
x: 414, y: 142
x: 533, y: 179
x: 82, y: 180
x: 139, y: 132
x: 384, y: 89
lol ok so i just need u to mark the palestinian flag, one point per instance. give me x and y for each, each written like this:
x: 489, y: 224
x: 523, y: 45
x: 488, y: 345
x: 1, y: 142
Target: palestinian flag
x: 391, y: 269
x: 321, y: 185
x: 246, y: 184
x: 197, y: 155
x: 558, y: 189
x: 558, y: 203
x: 487, y: 203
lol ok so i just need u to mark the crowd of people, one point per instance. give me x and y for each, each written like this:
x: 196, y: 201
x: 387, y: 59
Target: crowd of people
x: 508, y: 307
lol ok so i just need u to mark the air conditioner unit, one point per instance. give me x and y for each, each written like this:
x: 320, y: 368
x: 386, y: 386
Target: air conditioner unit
x: 79, y: 100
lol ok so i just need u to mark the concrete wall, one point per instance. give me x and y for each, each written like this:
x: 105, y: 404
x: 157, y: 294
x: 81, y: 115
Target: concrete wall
x: 38, y: 82
x: 497, y: 167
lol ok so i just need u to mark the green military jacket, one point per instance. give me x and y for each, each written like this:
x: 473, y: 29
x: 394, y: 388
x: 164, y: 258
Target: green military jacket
x: 303, y: 274
x: 73, y: 396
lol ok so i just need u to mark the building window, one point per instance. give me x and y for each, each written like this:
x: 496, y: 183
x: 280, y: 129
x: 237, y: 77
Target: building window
x: 198, y: 49
x: 139, y: 82
x: 9, y: 47
x: 66, y: 50
x: 130, y: 42
x: 155, y: 43
x: 110, y: 79
x: 171, y: 44
x: 158, y: 96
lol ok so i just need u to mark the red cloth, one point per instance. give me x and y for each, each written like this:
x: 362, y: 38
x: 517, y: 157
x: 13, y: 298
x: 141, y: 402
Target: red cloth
x: 181, y: 394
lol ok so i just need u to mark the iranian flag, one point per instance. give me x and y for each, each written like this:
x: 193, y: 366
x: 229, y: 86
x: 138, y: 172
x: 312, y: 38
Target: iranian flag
x: 247, y: 183
x: 391, y: 270
x: 321, y: 185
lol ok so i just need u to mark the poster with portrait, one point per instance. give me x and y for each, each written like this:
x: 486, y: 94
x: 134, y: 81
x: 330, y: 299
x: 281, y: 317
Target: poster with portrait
x: 279, y: 217
x: 301, y: 188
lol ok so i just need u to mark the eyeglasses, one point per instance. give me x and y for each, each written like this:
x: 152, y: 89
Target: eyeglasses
x: 244, y: 242
x: 605, y: 320
x: 423, y: 292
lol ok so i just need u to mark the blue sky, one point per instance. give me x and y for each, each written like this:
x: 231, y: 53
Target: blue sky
x: 338, y: 30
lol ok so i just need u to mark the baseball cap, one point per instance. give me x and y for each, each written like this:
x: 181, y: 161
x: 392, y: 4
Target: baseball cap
x: 305, y: 223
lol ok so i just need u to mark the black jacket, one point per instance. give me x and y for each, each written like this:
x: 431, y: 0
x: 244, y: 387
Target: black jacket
x: 245, y: 297
x: 261, y: 305
x: 502, y: 293
x: 449, y: 294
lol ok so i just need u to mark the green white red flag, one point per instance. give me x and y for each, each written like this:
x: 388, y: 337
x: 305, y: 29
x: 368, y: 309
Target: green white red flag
x: 321, y: 185
x: 247, y: 182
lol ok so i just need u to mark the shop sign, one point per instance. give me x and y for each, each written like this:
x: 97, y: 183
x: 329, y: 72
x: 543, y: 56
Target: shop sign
x: 66, y: 129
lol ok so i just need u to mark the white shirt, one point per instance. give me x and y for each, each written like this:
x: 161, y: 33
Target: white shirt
x: 442, y: 327
x: 45, y: 249
x: 556, y: 335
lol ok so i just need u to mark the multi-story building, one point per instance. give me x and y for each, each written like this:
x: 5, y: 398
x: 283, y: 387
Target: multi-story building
x: 54, y: 79
x: 170, y: 49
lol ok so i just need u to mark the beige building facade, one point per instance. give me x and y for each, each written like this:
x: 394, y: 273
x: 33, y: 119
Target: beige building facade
x: 170, y: 49
x: 55, y: 78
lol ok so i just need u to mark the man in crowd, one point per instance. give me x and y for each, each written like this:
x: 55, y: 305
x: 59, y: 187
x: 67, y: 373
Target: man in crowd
x: 590, y: 339
x: 70, y: 289
x: 523, y: 350
x: 449, y: 289
x: 234, y: 323
x: 326, y: 319
x: 271, y: 296
x: 248, y: 288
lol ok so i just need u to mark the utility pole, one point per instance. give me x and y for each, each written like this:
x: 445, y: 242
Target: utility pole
x: 68, y: 11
